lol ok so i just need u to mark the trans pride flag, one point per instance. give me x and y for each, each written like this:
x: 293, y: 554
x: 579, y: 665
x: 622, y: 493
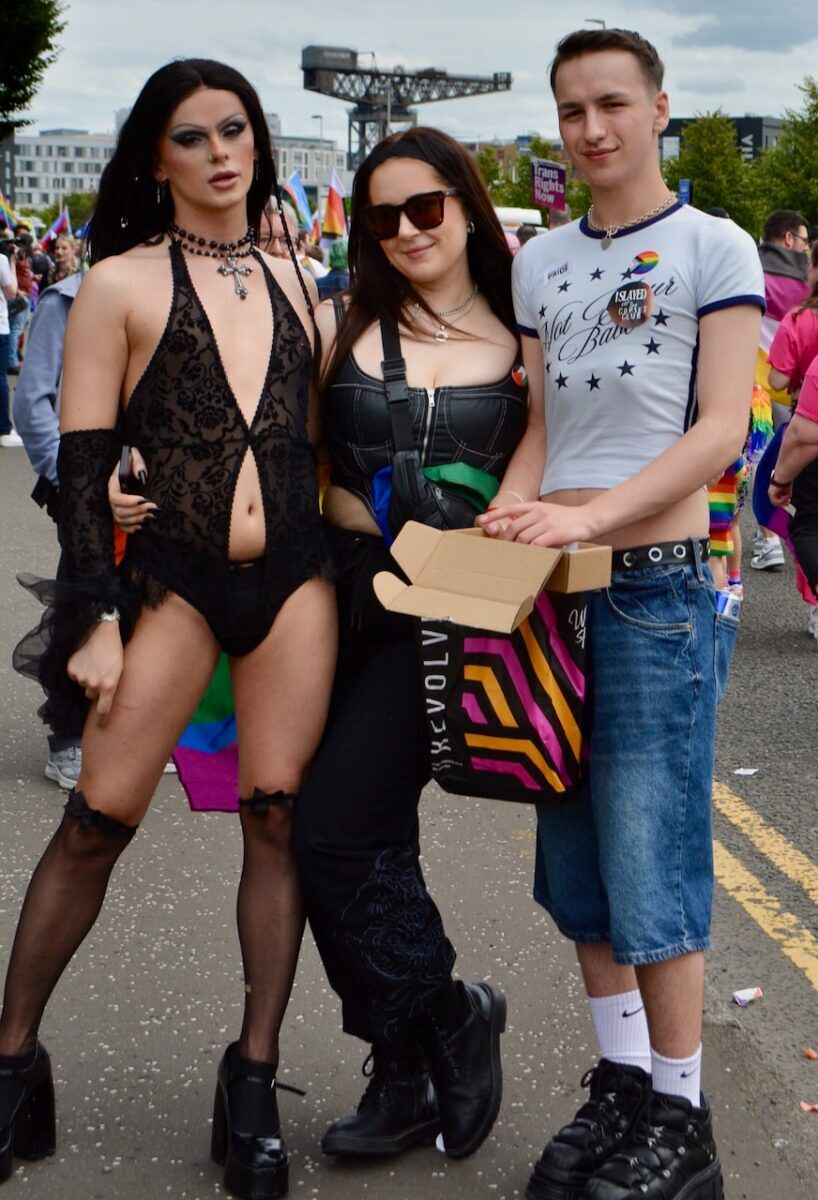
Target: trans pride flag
x: 295, y: 190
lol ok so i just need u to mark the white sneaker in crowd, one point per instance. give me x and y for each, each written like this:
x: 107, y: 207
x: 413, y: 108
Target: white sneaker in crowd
x: 770, y: 554
x: 812, y: 623
x: 10, y: 439
x: 63, y: 767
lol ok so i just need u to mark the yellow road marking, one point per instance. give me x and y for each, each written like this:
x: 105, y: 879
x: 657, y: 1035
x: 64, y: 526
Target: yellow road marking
x: 795, y: 940
x: 781, y: 853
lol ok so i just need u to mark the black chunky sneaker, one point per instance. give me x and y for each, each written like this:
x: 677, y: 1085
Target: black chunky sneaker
x: 466, y: 1070
x: 618, y: 1093
x: 669, y: 1155
x: 397, y: 1110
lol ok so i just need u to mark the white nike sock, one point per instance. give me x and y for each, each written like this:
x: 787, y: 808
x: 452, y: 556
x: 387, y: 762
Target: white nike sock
x: 678, y: 1076
x: 621, y: 1028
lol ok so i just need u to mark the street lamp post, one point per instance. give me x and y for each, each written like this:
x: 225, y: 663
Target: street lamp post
x: 319, y: 173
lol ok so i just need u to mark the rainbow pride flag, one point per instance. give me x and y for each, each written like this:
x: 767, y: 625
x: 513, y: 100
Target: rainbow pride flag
x: 7, y: 213
x: 207, y: 756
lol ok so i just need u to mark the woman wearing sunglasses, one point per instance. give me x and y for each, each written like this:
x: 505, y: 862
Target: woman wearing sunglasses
x: 427, y: 258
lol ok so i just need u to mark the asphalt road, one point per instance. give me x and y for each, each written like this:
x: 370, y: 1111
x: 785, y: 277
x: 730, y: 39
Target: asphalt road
x: 140, y: 1019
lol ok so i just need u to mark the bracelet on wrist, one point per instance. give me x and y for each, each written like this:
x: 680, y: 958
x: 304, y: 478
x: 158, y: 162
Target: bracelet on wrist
x: 778, y: 483
x: 107, y: 614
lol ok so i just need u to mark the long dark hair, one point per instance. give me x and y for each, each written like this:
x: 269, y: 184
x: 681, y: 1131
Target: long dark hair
x: 811, y: 300
x: 129, y: 211
x: 377, y: 289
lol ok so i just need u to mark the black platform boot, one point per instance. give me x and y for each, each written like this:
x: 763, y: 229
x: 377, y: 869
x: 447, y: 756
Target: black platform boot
x: 397, y: 1110
x: 246, y: 1138
x: 669, y: 1155
x: 465, y: 1067
x: 27, y: 1125
x: 618, y: 1094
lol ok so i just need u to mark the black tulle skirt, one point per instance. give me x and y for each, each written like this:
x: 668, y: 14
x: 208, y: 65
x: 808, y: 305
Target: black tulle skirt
x: 68, y: 619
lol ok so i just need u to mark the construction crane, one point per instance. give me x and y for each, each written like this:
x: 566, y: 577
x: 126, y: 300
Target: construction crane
x: 382, y: 99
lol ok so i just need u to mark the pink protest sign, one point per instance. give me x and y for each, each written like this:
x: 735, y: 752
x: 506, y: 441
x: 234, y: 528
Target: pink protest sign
x: 548, y: 183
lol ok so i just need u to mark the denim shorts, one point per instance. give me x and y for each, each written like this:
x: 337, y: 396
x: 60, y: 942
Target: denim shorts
x: 629, y: 860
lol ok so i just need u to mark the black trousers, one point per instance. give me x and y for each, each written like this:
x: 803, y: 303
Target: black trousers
x: 355, y: 834
x: 804, y: 526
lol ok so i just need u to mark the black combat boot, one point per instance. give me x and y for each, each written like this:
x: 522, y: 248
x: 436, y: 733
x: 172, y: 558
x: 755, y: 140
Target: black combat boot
x: 465, y: 1066
x: 397, y: 1110
x: 617, y: 1094
x: 669, y: 1155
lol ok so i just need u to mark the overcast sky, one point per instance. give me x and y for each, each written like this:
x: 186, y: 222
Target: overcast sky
x: 744, y: 57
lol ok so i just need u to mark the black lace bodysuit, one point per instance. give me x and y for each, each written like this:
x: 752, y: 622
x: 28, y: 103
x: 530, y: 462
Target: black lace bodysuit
x: 184, y: 418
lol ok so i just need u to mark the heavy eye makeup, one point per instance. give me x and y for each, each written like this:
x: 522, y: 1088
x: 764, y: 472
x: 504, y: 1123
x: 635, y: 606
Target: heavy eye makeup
x: 233, y: 128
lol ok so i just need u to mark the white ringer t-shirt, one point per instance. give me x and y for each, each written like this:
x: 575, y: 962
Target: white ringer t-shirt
x: 620, y: 334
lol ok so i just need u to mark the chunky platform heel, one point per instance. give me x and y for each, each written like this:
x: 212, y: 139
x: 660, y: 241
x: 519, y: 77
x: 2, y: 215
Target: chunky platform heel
x: 27, y: 1104
x: 246, y: 1137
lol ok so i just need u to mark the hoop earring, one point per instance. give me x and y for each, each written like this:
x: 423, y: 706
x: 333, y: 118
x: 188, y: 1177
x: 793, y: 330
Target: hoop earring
x: 470, y: 227
x: 161, y: 190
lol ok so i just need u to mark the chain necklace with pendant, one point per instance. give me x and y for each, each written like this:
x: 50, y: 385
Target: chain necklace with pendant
x: 611, y: 230
x: 229, y: 252
x: 441, y: 334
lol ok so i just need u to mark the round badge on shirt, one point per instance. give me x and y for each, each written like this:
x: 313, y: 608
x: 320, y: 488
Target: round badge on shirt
x: 631, y: 304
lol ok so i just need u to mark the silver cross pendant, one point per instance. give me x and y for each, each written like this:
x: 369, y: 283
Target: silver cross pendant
x: 232, y: 268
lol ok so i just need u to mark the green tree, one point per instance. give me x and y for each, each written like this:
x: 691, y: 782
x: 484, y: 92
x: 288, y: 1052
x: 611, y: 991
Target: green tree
x: 710, y: 157
x: 80, y: 205
x: 28, y: 47
x: 787, y: 175
x: 488, y: 165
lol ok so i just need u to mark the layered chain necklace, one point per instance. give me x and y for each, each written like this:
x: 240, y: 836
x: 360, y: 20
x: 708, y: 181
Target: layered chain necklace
x: 441, y: 334
x: 230, y: 252
x: 611, y: 230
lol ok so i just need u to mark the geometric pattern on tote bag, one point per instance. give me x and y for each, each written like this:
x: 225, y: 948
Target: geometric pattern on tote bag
x: 513, y: 705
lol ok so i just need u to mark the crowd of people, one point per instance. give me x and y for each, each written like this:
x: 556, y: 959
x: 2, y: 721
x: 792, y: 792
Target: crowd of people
x: 631, y: 338
x: 26, y: 272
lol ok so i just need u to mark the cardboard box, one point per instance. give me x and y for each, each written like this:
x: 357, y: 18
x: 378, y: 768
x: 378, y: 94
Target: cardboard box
x: 462, y: 575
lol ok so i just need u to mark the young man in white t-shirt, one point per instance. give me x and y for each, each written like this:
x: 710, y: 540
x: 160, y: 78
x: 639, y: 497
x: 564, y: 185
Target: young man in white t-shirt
x: 639, y: 326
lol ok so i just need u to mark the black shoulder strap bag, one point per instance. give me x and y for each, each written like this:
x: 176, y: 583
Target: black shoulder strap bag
x: 414, y: 497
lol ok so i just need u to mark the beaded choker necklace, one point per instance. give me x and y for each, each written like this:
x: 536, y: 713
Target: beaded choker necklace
x: 441, y: 335
x: 611, y: 230
x: 230, y: 252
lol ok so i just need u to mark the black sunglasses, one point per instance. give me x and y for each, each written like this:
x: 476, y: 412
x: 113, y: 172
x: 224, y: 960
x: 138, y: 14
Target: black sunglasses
x: 425, y: 211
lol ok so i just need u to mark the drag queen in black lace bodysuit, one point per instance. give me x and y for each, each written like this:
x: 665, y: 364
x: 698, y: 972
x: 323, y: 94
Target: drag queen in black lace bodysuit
x: 189, y: 343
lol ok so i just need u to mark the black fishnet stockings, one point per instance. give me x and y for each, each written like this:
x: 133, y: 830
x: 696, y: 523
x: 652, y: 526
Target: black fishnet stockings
x: 62, y: 902
x: 270, y: 915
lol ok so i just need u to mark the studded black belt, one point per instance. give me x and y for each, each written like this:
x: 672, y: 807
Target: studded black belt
x: 663, y: 553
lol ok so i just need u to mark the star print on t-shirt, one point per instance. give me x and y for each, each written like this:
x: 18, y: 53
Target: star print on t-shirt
x: 542, y: 311
x: 564, y: 286
x: 593, y: 382
x: 597, y: 274
x: 660, y: 318
x: 625, y: 368
x: 652, y: 347
x: 562, y: 381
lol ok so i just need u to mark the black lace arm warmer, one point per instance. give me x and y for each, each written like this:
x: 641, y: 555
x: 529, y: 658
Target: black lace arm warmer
x: 86, y: 527
x: 87, y: 579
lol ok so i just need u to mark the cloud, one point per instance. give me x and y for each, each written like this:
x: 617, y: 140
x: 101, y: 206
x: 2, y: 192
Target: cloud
x: 760, y: 25
x: 711, y: 85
